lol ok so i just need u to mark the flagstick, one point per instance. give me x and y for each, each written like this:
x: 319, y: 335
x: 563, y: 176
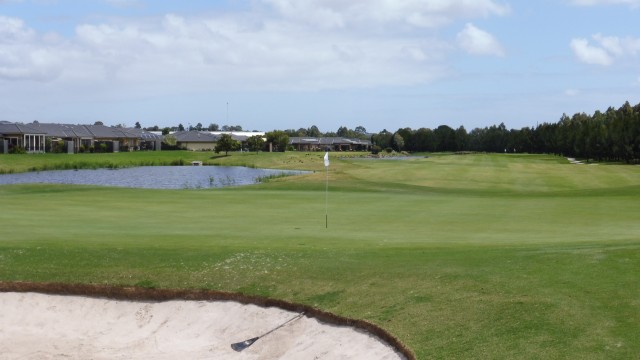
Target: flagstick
x: 326, y: 200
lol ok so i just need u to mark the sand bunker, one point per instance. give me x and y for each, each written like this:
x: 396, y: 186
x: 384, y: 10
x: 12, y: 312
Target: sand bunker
x: 39, y: 326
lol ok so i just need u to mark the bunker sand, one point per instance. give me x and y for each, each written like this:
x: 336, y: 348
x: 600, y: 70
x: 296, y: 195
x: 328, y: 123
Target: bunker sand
x: 41, y: 326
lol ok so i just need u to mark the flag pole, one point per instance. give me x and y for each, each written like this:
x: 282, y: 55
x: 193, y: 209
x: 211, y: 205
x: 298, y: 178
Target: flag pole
x: 326, y: 190
x: 326, y: 200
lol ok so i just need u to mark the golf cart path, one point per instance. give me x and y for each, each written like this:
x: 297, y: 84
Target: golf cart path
x: 41, y: 326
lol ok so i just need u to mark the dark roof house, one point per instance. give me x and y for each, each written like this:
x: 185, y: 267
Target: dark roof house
x: 196, y: 140
x: 80, y: 136
x: 333, y: 143
x: 14, y: 136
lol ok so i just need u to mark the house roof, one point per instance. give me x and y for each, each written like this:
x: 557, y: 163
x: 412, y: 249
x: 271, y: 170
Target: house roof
x: 76, y: 131
x: 144, y: 134
x: 106, y: 132
x: 63, y: 130
x: 195, y: 136
x: 327, y: 141
x: 18, y: 129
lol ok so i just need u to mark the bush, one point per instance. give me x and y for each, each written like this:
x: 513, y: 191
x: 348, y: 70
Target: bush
x: 375, y: 149
x: 58, y: 146
x: 17, y: 150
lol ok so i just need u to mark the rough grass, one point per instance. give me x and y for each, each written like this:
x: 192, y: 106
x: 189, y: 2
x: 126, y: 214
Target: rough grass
x: 475, y: 256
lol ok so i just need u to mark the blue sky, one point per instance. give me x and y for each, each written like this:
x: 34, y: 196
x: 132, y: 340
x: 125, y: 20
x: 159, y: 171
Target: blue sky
x: 282, y: 64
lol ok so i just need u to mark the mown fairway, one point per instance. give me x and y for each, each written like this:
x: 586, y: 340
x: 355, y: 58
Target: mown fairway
x: 474, y: 256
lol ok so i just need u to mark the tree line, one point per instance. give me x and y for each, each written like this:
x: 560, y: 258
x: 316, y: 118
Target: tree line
x: 197, y: 127
x: 613, y: 135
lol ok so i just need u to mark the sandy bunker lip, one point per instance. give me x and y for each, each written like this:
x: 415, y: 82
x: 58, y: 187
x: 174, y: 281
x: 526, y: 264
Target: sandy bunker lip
x: 37, y: 325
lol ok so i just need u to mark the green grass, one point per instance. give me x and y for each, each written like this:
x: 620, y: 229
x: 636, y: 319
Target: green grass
x: 475, y: 256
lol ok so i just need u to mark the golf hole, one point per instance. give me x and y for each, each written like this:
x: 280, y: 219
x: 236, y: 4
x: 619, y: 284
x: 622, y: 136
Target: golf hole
x: 39, y: 325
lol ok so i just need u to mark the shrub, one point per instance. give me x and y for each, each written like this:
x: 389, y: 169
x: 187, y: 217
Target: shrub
x: 58, y: 146
x: 17, y: 150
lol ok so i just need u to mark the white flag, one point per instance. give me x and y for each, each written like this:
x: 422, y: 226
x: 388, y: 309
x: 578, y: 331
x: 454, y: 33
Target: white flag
x: 326, y: 159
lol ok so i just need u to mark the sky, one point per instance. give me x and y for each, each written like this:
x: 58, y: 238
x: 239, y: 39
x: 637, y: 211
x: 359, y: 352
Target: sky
x: 290, y: 64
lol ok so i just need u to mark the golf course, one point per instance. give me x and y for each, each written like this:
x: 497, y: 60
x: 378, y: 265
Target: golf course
x: 459, y: 256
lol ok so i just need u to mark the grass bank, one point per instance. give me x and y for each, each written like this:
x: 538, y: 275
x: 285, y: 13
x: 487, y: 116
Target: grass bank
x: 14, y: 163
x: 475, y: 256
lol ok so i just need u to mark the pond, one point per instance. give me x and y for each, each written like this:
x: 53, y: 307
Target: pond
x: 152, y: 177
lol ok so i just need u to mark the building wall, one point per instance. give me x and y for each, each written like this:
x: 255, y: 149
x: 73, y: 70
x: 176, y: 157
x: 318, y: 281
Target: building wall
x: 195, y: 146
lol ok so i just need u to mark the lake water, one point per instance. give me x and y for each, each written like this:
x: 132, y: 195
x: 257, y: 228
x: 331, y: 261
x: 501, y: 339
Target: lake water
x: 151, y: 177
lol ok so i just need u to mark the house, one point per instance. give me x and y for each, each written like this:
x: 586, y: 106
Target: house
x: 74, y: 137
x: 196, y: 140
x: 206, y: 140
x: 115, y: 139
x: 47, y: 137
x: 333, y: 143
x: 14, y: 136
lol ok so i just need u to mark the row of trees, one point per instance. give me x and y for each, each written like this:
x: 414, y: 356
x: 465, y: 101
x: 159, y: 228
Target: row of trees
x: 197, y: 127
x: 613, y: 135
x: 279, y: 141
x: 358, y: 133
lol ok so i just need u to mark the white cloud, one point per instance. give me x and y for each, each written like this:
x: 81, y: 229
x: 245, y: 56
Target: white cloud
x: 14, y: 30
x: 632, y: 3
x: 590, y: 54
x: 607, y: 50
x: 304, y: 44
x: 479, y: 42
x: 572, y: 92
x: 419, y: 13
x: 217, y: 53
x: 23, y: 56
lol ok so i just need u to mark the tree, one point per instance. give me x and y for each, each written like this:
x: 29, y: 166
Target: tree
x: 198, y: 127
x: 226, y: 144
x: 255, y: 143
x: 138, y: 126
x: 170, y: 140
x: 343, y: 131
x: 382, y: 139
x: 445, y: 138
x: 461, y: 139
x: 180, y: 127
x: 424, y: 140
x: 213, y: 127
x: 231, y: 128
x: 313, y: 131
x: 397, y: 142
x: 278, y: 139
x: 407, y: 140
x: 98, y: 123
